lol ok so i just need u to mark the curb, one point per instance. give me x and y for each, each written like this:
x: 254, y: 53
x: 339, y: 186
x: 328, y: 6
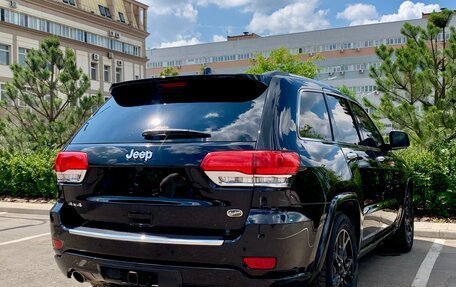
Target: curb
x: 440, y: 234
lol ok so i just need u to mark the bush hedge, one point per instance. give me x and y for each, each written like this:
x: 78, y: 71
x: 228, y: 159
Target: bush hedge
x: 434, y: 175
x: 28, y: 174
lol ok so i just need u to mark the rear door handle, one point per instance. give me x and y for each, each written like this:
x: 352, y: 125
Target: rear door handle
x: 351, y: 156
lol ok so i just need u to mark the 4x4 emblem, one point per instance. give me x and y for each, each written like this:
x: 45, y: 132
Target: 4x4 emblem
x: 75, y: 204
x: 134, y: 154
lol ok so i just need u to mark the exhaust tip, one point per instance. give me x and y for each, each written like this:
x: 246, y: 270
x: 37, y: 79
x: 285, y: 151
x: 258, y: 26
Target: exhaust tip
x: 78, y: 277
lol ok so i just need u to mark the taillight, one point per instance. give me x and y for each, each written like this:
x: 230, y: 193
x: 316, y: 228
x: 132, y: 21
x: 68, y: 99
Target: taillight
x: 57, y: 244
x: 260, y: 263
x: 71, y: 167
x: 251, y: 168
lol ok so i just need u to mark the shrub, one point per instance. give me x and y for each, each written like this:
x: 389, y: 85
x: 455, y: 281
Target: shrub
x: 434, y: 176
x: 28, y: 174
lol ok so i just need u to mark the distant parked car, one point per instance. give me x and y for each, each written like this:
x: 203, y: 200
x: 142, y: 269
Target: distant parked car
x: 228, y: 180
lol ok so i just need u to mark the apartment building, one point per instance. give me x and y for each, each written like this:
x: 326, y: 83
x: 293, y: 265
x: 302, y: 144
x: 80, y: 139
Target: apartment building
x: 347, y: 53
x: 108, y: 36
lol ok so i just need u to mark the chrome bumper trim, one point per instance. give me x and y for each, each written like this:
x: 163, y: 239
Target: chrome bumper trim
x: 142, y: 237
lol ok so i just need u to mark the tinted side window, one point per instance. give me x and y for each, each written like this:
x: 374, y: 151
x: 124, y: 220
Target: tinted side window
x: 369, y: 133
x: 344, y: 124
x: 313, y: 117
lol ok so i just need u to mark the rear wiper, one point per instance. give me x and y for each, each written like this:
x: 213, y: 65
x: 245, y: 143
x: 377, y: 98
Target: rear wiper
x: 174, y: 134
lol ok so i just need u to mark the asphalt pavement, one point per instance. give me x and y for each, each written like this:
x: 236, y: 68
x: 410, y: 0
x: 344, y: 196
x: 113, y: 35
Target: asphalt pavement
x: 26, y: 259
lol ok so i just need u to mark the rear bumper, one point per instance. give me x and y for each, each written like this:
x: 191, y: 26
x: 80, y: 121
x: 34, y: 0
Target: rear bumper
x: 96, y: 269
x: 192, y: 262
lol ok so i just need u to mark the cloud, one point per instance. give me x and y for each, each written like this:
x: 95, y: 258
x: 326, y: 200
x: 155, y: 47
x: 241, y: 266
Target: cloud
x: 181, y: 41
x: 188, y: 12
x: 211, y: 115
x: 177, y: 8
x: 168, y: 18
x: 248, y: 6
x: 295, y: 17
x: 360, y: 14
x: 244, y: 127
x: 218, y: 38
x: 410, y: 10
x: 223, y: 3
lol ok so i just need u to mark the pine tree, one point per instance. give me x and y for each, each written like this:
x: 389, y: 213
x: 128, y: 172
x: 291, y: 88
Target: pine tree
x: 418, y: 81
x: 45, y: 102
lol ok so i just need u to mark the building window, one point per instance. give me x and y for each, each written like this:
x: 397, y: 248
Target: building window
x: 2, y: 92
x: 104, y: 11
x: 22, y: 56
x: 70, y: 2
x: 108, y: 13
x: 43, y: 25
x: 121, y: 17
x: 3, y: 95
x: 118, y: 75
x: 107, y: 74
x: 4, y: 55
x: 94, y: 107
x: 94, y: 71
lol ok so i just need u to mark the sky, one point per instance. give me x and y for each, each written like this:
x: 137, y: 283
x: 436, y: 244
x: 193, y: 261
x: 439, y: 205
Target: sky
x: 188, y: 22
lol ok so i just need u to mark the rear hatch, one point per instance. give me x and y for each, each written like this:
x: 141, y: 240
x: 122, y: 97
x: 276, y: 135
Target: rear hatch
x: 145, y: 146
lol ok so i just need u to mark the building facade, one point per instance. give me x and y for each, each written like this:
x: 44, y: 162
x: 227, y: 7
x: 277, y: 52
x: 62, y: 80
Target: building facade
x: 108, y: 36
x: 348, y: 53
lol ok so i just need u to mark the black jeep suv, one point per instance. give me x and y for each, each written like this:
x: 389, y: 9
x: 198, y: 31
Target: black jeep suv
x: 228, y: 180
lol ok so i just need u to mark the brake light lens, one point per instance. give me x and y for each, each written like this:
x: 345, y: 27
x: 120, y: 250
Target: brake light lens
x: 260, y: 263
x: 71, y: 167
x: 57, y: 244
x: 251, y: 168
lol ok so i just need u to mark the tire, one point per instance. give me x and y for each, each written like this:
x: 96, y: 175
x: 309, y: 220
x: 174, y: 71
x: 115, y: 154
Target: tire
x: 341, y: 264
x: 402, y: 240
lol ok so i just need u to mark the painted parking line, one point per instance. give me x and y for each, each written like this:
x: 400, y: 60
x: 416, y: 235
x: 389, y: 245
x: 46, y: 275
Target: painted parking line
x: 24, y: 239
x: 423, y: 274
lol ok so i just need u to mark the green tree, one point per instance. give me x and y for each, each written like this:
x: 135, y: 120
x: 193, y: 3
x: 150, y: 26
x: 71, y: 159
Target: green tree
x: 169, y: 72
x: 45, y: 102
x: 282, y: 60
x: 346, y: 91
x: 418, y: 82
x: 351, y: 94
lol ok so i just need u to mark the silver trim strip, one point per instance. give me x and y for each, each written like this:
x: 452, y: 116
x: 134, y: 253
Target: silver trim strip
x: 142, y: 237
x: 215, y: 176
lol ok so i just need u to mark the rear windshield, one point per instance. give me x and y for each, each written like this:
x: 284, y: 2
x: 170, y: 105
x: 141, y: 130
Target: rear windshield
x: 226, y: 108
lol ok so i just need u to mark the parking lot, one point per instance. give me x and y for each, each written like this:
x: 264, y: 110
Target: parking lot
x: 27, y: 259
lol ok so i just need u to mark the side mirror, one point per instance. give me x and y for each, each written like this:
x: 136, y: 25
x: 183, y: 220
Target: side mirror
x: 398, y: 140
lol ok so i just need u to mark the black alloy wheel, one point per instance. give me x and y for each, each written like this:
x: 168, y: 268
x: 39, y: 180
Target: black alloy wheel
x: 341, y: 263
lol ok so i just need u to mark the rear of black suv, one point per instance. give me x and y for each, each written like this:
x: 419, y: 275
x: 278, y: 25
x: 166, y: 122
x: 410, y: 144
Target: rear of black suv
x: 186, y: 182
